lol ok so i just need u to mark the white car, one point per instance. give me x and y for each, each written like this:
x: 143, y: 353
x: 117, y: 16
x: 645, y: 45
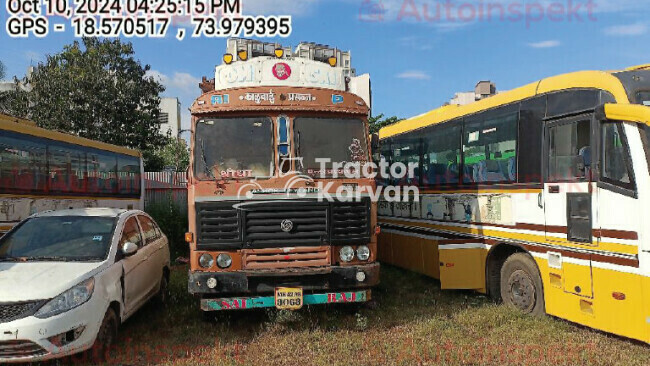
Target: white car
x: 69, y: 278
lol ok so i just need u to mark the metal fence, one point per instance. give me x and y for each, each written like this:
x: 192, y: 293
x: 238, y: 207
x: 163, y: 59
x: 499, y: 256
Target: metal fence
x: 166, y: 187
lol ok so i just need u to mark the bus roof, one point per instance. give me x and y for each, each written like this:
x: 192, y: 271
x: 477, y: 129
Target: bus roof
x: 582, y: 79
x: 20, y: 125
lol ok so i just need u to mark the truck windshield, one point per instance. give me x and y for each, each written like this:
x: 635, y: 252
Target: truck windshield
x: 341, y: 140
x: 64, y: 238
x: 233, y: 148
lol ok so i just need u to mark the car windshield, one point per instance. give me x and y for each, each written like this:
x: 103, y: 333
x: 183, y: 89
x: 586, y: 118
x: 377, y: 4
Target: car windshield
x: 341, y: 140
x: 233, y: 148
x: 59, y: 238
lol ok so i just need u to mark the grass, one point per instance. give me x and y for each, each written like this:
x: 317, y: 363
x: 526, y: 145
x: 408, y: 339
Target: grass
x: 412, y: 322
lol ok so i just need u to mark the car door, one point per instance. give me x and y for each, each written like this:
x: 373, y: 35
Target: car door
x: 154, y: 254
x: 135, y: 270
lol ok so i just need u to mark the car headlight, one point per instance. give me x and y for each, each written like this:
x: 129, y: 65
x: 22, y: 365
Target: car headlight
x: 363, y: 253
x: 346, y: 254
x: 68, y: 300
x: 224, y: 261
x: 206, y: 261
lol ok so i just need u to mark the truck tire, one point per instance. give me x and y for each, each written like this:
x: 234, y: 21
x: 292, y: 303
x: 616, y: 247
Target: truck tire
x: 521, y: 284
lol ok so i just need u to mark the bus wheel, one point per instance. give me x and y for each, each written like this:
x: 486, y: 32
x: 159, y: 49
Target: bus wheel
x: 521, y: 284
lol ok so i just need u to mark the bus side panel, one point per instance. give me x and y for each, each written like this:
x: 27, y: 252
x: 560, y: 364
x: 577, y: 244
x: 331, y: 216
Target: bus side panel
x: 621, y: 315
x: 384, y: 247
x: 463, y: 269
x: 410, y: 252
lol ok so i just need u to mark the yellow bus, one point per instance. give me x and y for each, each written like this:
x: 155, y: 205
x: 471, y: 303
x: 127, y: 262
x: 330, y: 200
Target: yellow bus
x: 43, y: 170
x: 536, y: 196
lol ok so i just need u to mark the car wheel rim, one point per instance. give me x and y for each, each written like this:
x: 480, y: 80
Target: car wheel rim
x: 522, y: 290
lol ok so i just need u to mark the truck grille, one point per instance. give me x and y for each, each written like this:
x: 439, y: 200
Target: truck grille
x: 17, y: 349
x: 218, y: 223
x: 350, y: 221
x: 263, y: 223
x: 15, y: 311
x: 258, y: 225
x: 304, y: 257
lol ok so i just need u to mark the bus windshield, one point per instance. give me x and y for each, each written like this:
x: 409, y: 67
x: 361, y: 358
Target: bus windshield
x: 341, y: 140
x: 233, y: 148
x: 65, y: 238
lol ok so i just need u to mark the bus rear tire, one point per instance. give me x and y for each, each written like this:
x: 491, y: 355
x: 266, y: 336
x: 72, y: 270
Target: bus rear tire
x: 521, y: 284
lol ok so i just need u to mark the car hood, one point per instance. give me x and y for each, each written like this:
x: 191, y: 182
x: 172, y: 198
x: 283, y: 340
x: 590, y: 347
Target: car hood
x: 40, y: 280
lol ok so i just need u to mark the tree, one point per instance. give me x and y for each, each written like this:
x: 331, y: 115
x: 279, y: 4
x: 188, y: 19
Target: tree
x: 95, y: 89
x: 378, y: 122
x: 2, y: 70
x: 174, y: 153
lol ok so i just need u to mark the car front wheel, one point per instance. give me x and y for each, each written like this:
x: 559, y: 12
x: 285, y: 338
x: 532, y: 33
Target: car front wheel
x: 106, y: 337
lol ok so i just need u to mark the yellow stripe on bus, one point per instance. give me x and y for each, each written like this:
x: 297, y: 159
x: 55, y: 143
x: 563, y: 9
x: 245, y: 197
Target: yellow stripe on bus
x: 583, y: 79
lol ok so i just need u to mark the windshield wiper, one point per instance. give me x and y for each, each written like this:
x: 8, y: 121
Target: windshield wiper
x: 45, y: 259
x: 10, y: 259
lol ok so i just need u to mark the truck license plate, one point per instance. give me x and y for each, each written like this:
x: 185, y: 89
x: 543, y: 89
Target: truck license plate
x: 287, y: 298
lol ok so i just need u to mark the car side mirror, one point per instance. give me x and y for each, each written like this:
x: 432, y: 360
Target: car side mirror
x: 129, y: 249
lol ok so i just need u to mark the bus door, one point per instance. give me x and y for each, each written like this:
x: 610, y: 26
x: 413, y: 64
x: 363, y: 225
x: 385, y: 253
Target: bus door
x: 569, y: 201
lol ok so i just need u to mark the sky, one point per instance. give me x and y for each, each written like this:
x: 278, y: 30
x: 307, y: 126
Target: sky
x: 417, y: 56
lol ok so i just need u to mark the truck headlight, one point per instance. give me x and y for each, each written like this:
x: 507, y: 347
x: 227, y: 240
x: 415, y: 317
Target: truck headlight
x: 224, y: 261
x: 363, y: 253
x: 346, y: 254
x: 73, y: 298
x: 206, y: 261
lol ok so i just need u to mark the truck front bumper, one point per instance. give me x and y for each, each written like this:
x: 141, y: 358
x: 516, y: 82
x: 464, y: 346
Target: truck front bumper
x: 243, y: 303
x: 265, y: 282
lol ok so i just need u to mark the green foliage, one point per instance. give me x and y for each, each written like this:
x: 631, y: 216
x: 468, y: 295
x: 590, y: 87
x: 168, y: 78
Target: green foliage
x: 16, y: 102
x: 174, y: 153
x: 378, y: 122
x: 95, y: 89
x: 173, y: 222
x: 3, y: 72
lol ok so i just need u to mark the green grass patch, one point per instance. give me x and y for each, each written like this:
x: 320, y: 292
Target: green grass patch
x: 412, y: 323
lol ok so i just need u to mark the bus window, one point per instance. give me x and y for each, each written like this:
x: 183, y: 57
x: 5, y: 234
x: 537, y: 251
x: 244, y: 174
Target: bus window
x: 22, y: 164
x: 129, y: 175
x: 490, y: 150
x: 569, y: 152
x: 102, y: 173
x: 530, y: 146
x: 442, y: 155
x: 385, y: 155
x: 406, y: 150
x: 571, y: 101
x: 67, y: 169
x: 643, y: 98
x: 615, y: 167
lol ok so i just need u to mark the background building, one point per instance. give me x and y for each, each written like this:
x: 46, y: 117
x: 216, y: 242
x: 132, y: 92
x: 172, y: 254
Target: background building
x: 483, y: 89
x: 170, y: 116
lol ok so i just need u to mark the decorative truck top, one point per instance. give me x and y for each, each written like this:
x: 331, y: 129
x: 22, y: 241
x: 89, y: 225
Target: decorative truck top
x: 251, y: 64
x: 271, y: 71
